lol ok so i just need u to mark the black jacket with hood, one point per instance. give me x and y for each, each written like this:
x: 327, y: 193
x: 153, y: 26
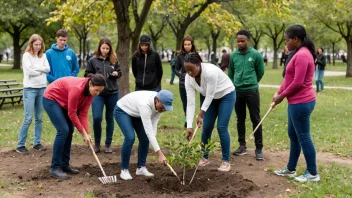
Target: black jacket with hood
x: 147, y: 70
x: 180, y: 70
x: 99, y: 65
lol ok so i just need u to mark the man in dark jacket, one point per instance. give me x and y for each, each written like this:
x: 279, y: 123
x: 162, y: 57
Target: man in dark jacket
x: 146, y: 66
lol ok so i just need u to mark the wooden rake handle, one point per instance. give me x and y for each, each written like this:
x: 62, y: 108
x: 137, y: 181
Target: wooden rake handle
x: 173, y: 171
x: 195, y: 131
x: 96, y: 158
x: 256, y: 128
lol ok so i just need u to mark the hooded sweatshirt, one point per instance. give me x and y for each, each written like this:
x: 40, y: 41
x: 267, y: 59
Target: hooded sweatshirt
x: 62, y: 63
x: 246, y: 69
x: 147, y: 70
x: 99, y: 65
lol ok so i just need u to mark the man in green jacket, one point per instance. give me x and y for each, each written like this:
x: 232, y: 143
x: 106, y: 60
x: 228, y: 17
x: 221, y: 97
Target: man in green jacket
x: 246, y: 68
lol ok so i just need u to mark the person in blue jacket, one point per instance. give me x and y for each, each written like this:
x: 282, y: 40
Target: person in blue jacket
x: 62, y: 60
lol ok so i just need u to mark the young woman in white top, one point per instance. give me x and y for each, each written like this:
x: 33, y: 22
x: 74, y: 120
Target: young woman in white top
x: 140, y: 111
x: 217, y: 101
x: 35, y: 66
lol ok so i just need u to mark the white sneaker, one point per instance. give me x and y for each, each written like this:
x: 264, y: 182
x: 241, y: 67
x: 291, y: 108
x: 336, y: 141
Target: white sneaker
x: 143, y: 171
x: 125, y: 174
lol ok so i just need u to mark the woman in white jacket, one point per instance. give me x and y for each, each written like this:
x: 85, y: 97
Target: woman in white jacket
x: 35, y: 66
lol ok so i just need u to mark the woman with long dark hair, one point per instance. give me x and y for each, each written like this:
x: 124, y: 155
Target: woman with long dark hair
x: 67, y: 101
x: 105, y: 63
x: 297, y: 88
x: 187, y: 47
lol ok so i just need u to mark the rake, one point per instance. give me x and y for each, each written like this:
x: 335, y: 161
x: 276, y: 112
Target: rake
x: 195, y: 131
x: 105, y: 179
x: 256, y: 128
x: 173, y: 171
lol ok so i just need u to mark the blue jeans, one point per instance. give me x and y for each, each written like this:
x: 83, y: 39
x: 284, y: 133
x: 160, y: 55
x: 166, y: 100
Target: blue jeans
x: 299, y: 133
x: 33, y: 104
x: 319, y: 74
x: 128, y: 125
x: 221, y: 109
x: 64, y: 130
x: 97, y: 109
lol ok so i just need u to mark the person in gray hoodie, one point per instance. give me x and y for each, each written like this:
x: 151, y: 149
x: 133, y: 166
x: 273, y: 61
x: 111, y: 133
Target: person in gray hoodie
x: 104, y: 62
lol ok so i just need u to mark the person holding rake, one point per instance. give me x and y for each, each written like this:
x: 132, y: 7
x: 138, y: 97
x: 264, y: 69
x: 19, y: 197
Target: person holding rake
x: 217, y: 101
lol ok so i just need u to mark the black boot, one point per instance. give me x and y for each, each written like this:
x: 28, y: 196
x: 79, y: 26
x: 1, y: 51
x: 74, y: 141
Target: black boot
x: 58, y: 174
x: 69, y: 169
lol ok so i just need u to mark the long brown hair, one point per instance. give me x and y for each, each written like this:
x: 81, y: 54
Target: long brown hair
x: 32, y: 39
x: 111, y: 55
x: 187, y: 38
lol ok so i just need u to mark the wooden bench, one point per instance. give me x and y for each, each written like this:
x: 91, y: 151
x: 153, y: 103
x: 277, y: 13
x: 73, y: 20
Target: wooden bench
x: 8, y: 84
x: 11, y: 90
x: 17, y: 98
x: 6, y: 81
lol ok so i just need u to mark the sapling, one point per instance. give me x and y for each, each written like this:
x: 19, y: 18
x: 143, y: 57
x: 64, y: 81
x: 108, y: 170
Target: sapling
x: 187, y: 155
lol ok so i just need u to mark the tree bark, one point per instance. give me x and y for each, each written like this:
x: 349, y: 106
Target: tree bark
x: 215, y: 35
x: 333, y: 54
x: 123, y: 46
x: 349, y: 58
x: 275, y: 64
x: 16, y: 48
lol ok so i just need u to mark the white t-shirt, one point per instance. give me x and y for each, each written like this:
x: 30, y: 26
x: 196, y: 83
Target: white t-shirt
x: 214, y: 84
x: 141, y: 104
x: 34, y: 70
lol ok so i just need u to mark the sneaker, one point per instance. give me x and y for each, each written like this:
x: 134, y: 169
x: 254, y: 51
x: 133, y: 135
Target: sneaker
x: 125, y: 174
x: 240, y: 151
x: 285, y: 172
x: 259, y: 154
x: 144, y: 171
x: 224, y: 167
x: 22, y: 150
x: 58, y: 174
x: 96, y: 148
x: 39, y: 147
x: 203, y: 162
x: 108, y: 149
x: 308, y: 177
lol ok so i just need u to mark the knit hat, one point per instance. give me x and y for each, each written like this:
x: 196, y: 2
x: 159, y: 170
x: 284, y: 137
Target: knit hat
x: 144, y: 39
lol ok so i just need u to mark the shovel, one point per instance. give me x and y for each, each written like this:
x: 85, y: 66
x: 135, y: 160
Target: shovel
x: 256, y: 128
x: 105, y: 179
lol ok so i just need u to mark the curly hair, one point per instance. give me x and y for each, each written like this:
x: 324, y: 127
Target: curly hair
x: 193, y: 57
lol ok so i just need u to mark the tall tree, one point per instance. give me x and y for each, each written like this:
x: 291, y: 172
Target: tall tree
x: 155, y: 25
x: 335, y: 15
x: 20, y: 19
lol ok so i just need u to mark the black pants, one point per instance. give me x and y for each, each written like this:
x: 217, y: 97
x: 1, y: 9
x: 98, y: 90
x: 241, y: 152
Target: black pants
x: 252, y: 100
x: 183, y: 96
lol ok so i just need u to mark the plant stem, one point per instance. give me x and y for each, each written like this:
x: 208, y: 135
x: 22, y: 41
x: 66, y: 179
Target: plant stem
x: 184, y: 173
x: 194, y: 174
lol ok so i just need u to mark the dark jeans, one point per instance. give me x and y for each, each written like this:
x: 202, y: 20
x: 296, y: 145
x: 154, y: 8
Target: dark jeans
x: 252, y: 101
x: 219, y: 108
x: 128, y: 125
x: 97, y: 109
x: 299, y: 133
x: 172, y: 75
x: 64, y: 130
x: 183, y: 95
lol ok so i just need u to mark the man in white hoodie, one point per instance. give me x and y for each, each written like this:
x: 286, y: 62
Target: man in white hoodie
x: 140, y: 111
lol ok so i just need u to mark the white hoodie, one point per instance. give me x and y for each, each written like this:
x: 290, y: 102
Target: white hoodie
x: 34, y: 71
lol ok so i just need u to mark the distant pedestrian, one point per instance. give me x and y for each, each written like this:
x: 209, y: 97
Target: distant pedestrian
x: 62, y: 60
x: 320, y: 63
x: 297, y: 88
x: 35, y: 66
x: 105, y: 63
x: 225, y: 60
x: 173, y: 64
x: 146, y: 66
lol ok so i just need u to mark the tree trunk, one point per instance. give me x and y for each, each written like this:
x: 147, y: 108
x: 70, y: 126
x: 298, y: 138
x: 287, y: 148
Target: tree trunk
x: 349, y: 58
x: 255, y: 44
x: 333, y: 54
x: 179, y: 36
x: 275, y: 65
x: 16, y: 48
x: 121, y: 8
x: 215, y: 36
x: 84, y: 52
x: 80, y: 51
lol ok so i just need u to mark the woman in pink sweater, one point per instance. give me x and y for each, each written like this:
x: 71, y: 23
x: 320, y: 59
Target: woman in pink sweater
x: 67, y: 101
x: 297, y: 88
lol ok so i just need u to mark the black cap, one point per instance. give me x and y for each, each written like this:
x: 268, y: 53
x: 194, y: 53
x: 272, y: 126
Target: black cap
x: 144, y: 39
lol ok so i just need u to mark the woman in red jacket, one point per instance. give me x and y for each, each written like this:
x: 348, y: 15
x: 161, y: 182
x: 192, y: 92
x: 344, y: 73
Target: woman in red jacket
x: 67, y: 101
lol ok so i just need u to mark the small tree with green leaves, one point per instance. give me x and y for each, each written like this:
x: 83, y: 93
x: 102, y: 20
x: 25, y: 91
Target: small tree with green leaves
x: 187, y: 155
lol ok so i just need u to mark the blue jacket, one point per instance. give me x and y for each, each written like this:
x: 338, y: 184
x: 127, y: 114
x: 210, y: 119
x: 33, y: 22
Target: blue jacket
x: 62, y: 63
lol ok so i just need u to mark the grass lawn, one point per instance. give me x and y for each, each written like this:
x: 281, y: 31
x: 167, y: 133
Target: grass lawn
x: 330, y: 127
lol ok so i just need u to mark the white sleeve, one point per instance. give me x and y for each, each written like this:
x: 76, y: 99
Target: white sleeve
x: 155, y: 120
x: 191, y: 102
x: 45, y: 68
x: 146, y: 114
x: 27, y: 65
x: 211, y: 81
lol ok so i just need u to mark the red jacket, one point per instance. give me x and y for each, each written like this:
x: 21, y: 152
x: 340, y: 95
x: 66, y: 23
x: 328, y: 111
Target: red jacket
x: 69, y: 93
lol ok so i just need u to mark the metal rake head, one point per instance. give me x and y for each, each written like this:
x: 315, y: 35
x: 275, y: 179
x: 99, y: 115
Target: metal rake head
x: 108, y: 179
